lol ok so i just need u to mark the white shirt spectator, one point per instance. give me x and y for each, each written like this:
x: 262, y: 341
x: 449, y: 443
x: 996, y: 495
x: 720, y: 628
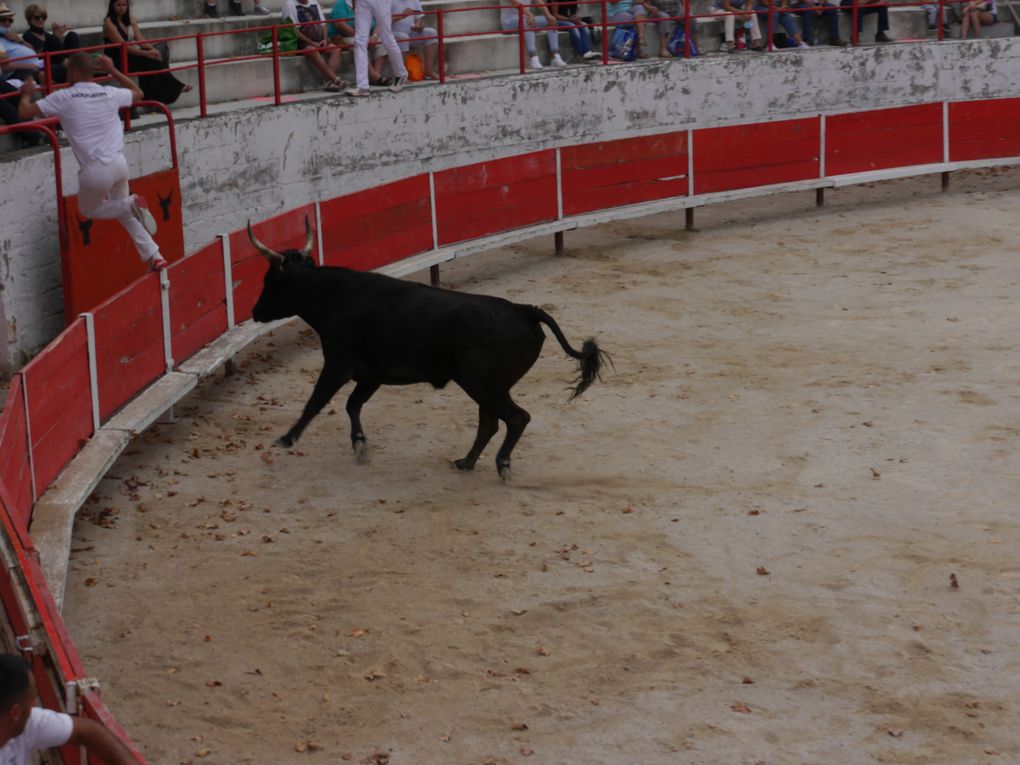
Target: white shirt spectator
x: 45, y: 729
x: 89, y: 113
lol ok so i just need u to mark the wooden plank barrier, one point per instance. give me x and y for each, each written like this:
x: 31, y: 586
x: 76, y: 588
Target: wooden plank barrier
x: 598, y: 176
x: 129, y: 343
x: 494, y: 196
x: 376, y: 227
x: 15, y: 470
x: 883, y: 138
x: 59, y: 403
x: 984, y: 129
x: 761, y: 154
x: 198, y: 301
x: 280, y: 232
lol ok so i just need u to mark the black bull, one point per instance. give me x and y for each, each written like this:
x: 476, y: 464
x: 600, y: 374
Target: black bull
x: 377, y: 330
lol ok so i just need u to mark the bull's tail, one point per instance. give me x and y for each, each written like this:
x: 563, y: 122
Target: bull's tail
x: 591, y: 358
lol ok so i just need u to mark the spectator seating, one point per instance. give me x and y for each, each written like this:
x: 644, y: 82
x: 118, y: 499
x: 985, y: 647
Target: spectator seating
x: 486, y: 53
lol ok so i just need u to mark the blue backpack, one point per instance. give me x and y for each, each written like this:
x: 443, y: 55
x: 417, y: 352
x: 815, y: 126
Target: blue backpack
x: 677, y: 43
x: 623, y: 44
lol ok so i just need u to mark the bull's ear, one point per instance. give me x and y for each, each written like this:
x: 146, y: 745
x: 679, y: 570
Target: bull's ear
x: 307, y: 251
x: 274, y: 257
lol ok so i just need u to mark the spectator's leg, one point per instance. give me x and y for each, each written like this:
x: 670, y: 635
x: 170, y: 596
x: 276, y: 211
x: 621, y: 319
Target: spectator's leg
x: 430, y: 54
x: 382, y: 10
x: 807, y: 20
x: 552, y: 35
x: 362, y: 28
x: 663, y: 26
x: 319, y: 64
x: 883, y: 19
x: 529, y: 37
x: 640, y: 15
x: 729, y: 25
x: 832, y: 16
x: 585, y: 37
x: 755, y: 29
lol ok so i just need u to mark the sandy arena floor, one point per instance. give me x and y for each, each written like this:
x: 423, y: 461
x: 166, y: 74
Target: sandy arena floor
x: 783, y: 530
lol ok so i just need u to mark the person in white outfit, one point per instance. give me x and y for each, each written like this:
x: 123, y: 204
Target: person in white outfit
x: 382, y: 12
x: 90, y: 116
x: 25, y: 728
x: 509, y: 20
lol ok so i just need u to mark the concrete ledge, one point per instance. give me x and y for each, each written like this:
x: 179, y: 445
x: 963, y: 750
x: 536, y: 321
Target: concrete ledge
x: 54, y: 513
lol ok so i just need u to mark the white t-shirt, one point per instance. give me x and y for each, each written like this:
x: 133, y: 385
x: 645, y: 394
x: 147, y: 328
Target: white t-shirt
x: 89, y: 115
x: 404, y: 25
x: 45, y: 729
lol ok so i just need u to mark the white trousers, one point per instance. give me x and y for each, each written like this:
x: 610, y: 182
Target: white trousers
x: 103, y: 195
x: 382, y: 12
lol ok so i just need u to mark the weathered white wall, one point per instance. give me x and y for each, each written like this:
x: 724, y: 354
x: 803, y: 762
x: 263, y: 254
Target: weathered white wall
x: 257, y: 162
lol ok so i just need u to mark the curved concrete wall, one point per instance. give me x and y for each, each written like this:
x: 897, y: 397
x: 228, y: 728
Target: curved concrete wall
x: 257, y: 161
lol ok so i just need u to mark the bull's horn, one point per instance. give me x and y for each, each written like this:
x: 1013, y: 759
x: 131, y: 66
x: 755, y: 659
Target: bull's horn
x: 307, y: 251
x: 274, y: 257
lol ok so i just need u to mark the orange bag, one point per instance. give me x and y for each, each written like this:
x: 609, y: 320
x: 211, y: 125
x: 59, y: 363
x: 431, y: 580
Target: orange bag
x: 415, y: 67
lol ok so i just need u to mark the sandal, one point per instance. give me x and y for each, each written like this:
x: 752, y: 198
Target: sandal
x: 731, y: 47
x: 335, y: 86
x: 385, y: 82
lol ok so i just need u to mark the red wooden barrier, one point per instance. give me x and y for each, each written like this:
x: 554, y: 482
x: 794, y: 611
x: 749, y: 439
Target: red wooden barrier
x: 198, y: 302
x: 59, y: 403
x: 284, y: 231
x: 15, y: 474
x: 94, y: 709
x: 745, y: 156
x: 375, y: 227
x: 984, y: 129
x: 101, y: 259
x: 495, y: 196
x: 598, y: 176
x: 129, y: 343
x: 881, y: 138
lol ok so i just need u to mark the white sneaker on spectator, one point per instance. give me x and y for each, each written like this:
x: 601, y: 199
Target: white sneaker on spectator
x: 357, y: 92
x: 140, y: 212
x: 557, y: 61
x: 398, y: 84
x: 535, y: 63
x: 803, y: 44
x: 261, y: 10
x: 591, y: 55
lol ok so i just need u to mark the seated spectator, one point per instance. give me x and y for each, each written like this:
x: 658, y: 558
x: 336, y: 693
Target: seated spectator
x: 977, y: 14
x: 580, y: 38
x: 625, y: 11
x: 781, y: 13
x: 949, y: 15
x: 811, y: 9
x: 509, y: 21
x: 341, y: 32
x: 409, y: 27
x: 119, y: 27
x: 883, y: 18
x: 211, y: 9
x: 312, y: 39
x: 55, y: 42
x: 21, y: 61
x: 742, y: 11
x: 9, y: 97
x: 565, y: 14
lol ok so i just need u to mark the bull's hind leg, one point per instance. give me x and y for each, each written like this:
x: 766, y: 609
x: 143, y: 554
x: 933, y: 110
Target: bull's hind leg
x: 363, y: 391
x: 516, y: 420
x: 488, y: 424
x: 331, y: 379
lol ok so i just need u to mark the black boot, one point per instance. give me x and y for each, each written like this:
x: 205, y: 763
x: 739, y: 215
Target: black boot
x: 210, y: 11
x: 235, y: 8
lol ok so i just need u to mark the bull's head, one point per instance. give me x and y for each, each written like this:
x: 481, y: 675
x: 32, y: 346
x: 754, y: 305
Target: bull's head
x: 280, y: 297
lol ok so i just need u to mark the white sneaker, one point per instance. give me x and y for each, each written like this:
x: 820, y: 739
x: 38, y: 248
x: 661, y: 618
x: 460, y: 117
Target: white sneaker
x: 261, y: 10
x: 140, y: 212
x: 398, y: 84
x: 357, y: 92
x: 557, y: 61
x: 535, y: 63
x: 803, y: 44
x: 591, y: 55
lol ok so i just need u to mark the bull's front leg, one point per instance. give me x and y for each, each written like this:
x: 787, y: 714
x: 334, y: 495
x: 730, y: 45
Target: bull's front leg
x: 331, y: 379
x: 363, y: 391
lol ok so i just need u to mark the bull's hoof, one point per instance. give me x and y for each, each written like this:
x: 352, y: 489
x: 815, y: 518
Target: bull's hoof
x: 463, y: 464
x: 360, y: 450
x: 284, y: 442
x: 504, y: 471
